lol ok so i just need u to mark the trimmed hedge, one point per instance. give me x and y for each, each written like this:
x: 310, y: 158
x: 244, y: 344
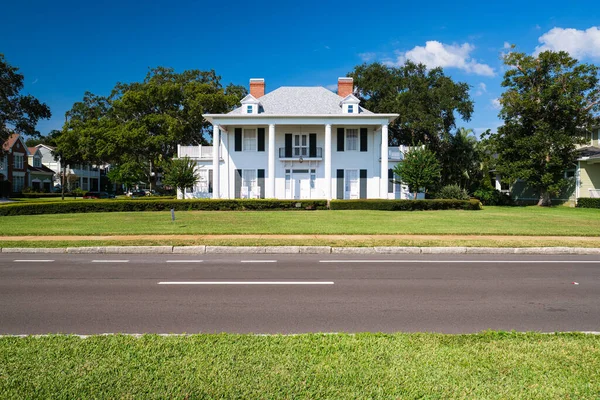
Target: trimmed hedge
x: 85, y: 206
x: 587, y: 202
x: 406, y: 205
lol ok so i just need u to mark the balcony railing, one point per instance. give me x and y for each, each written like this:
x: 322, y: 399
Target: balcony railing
x: 197, y: 152
x: 295, y: 153
x: 595, y: 193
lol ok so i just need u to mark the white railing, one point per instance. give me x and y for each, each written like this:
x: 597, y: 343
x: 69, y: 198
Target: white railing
x: 397, y: 153
x: 197, y: 152
x: 595, y: 193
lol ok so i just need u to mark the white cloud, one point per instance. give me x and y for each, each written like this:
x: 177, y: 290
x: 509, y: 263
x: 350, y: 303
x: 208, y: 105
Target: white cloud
x: 366, y: 57
x: 579, y: 43
x: 35, y: 81
x: 481, y: 89
x: 436, y: 54
x: 496, y: 104
x: 506, y: 46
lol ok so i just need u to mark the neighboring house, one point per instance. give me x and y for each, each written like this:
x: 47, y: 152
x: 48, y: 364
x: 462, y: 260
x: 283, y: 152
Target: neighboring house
x: 587, y: 173
x: 298, y: 143
x: 40, y: 176
x: 584, y: 177
x: 84, y: 176
x: 14, y: 163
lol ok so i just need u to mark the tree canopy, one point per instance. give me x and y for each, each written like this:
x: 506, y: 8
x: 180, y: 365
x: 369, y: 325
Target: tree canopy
x: 18, y: 113
x: 141, y: 123
x: 551, y: 102
x: 420, y: 170
x: 428, y: 101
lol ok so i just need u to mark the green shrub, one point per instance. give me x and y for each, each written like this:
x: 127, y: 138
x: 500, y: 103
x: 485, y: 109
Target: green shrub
x: 85, y: 206
x: 405, y: 205
x: 452, y: 192
x: 493, y: 197
x: 587, y: 202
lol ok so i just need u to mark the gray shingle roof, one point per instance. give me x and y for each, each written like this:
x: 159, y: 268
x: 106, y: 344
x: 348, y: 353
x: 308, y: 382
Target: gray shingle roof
x: 295, y: 100
x: 591, y: 152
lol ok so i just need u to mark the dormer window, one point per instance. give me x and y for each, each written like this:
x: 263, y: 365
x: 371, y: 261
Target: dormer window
x: 250, y: 105
x: 36, y: 162
x: 350, y: 104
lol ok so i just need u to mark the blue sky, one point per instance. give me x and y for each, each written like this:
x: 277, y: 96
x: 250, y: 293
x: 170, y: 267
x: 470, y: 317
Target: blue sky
x: 65, y: 48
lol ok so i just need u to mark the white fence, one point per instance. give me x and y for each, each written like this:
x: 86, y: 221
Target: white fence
x: 197, y: 152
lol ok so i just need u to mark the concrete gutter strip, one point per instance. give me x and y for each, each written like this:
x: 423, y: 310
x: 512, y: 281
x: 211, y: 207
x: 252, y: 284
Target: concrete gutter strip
x: 303, y: 250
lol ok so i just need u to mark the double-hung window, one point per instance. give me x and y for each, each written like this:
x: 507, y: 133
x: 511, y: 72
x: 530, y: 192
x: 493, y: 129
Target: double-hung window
x: 249, y: 142
x: 300, y: 145
x: 352, y: 139
x: 18, y: 161
x: 18, y: 183
x: 37, y: 162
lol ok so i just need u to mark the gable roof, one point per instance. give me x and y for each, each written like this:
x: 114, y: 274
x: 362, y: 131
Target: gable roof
x: 297, y: 100
x: 33, y: 150
x: 12, y: 139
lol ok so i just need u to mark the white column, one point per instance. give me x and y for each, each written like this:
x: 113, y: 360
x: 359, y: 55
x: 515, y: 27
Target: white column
x: 327, y: 157
x: 216, y: 177
x: 384, y: 162
x: 270, y: 189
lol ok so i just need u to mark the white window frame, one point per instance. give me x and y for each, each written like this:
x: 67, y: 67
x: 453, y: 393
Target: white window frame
x: 249, y: 143
x: 18, y: 157
x: 356, y: 143
x: 249, y: 109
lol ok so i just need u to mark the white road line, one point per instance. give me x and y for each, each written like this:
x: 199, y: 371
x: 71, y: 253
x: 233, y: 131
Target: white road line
x: 33, y: 260
x: 258, y: 261
x: 110, y: 261
x: 185, y: 261
x: 246, y: 283
x: 465, y: 261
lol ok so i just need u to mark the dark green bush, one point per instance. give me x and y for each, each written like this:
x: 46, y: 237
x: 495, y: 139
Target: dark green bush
x: 452, y: 192
x: 85, y: 206
x: 405, y: 205
x: 587, y: 202
x: 492, y: 197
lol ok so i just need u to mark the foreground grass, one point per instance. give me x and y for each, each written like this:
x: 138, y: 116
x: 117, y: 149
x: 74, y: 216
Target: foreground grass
x: 313, y: 366
x: 558, y: 221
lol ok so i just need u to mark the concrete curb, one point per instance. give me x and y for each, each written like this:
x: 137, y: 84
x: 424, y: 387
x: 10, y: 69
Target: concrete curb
x: 304, y: 250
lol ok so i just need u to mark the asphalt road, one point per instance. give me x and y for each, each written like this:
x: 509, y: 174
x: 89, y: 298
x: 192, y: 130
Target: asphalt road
x: 86, y: 294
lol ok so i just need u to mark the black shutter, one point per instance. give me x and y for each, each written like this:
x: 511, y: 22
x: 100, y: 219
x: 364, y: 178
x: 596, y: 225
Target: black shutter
x: 340, y: 139
x: 363, y: 184
x: 238, y: 139
x: 288, y: 145
x: 312, y: 145
x: 238, y: 184
x: 260, y: 174
x: 363, y: 139
x: 210, y: 181
x: 340, y: 184
x: 390, y: 181
x: 261, y: 139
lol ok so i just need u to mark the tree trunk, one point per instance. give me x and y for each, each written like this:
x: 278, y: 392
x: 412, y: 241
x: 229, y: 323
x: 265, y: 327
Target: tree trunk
x: 62, y: 185
x: 544, y: 199
x: 415, y: 196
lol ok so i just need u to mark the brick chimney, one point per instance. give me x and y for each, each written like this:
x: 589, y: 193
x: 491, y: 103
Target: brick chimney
x: 345, y: 86
x: 257, y: 87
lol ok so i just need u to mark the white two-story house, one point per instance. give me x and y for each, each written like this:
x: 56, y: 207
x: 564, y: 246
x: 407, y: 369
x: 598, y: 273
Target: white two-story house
x: 297, y: 143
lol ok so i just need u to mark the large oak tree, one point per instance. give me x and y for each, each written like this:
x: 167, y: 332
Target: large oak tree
x: 551, y: 102
x: 428, y: 101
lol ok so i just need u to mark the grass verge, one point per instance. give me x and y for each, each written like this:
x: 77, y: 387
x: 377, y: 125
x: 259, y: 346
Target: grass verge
x: 350, y: 241
x: 491, y: 365
x: 530, y: 221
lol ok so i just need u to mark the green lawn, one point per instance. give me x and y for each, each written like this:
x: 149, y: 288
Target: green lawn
x: 311, y: 366
x: 557, y: 221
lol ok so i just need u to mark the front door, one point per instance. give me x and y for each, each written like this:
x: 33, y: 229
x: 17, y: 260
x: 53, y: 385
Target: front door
x: 301, y: 186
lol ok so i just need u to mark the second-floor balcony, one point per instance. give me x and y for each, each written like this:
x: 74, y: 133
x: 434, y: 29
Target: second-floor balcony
x: 295, y: 153
x: 195, y: 152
